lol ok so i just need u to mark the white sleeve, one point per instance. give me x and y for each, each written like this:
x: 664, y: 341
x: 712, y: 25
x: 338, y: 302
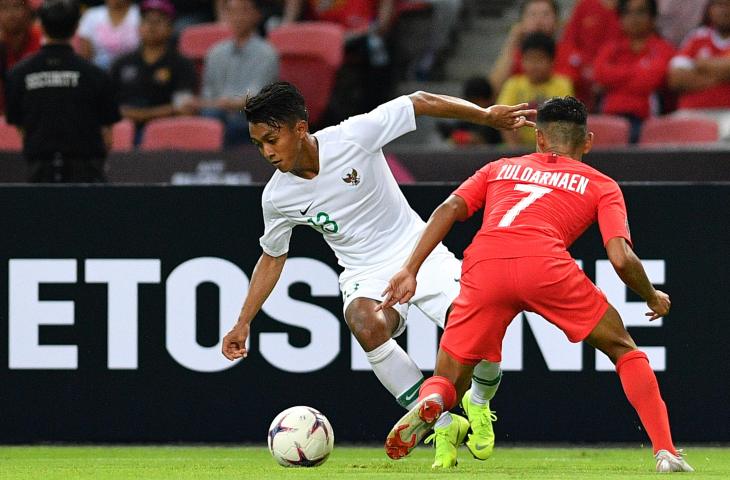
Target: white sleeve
x: 682, y: 62
x: 87, y: 23
x: 384, y: 124
x: 277, y: 231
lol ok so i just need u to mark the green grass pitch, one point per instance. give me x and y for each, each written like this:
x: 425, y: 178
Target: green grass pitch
x: 174, y: 462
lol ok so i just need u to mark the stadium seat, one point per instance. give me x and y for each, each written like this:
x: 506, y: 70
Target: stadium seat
x: 183, y: 133
x: 310, y: 53
x: 196, y: 40
x: 609, y: 130
x: 679, y: 130
x: 10, y: 139
x: 123, y: 136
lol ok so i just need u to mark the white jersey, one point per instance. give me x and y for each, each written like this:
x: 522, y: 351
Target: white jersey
x: 354, y: 201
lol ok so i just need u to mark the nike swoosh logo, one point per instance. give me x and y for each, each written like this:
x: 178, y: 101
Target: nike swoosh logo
x: 481, y: 446
x: 304, y: 212
x: 410, y: 397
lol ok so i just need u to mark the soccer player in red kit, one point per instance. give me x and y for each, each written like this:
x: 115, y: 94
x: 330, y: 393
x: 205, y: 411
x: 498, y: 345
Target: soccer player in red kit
x: 535, y: 206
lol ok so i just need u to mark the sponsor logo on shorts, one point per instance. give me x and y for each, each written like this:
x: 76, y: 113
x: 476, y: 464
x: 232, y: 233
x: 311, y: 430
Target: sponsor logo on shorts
x: 349, y: 294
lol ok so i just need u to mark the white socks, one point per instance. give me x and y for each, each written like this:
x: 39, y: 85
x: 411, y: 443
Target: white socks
x: 401, y: 376
x: 485, y: 381
x: 397, y: 372
x: 443, y: 421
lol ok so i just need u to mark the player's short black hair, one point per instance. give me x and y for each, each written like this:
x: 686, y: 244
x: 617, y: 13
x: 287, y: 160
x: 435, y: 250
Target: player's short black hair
x: 539, y: 41
x: 60, y: 18
x: 276, y: 104
x: 564, y: 119
x: 478, y: 87
x: 553, y: 4
x: 623, y: 6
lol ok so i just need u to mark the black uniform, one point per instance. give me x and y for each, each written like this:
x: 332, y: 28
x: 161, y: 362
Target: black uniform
x: 140, y: 84
x: 61, y: 101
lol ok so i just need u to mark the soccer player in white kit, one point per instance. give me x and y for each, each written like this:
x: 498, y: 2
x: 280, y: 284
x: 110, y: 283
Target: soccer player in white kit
x: 337, y: 181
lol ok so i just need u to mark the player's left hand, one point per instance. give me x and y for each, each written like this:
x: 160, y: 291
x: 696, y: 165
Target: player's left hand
x: 510, y: 117
x: 400, y: 289
x: 659, y: 305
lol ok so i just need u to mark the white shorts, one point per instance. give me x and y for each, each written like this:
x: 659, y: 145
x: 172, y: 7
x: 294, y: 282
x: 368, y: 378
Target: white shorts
x: 438, y: 286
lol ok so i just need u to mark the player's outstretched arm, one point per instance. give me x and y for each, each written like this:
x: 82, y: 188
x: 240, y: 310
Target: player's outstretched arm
x: 505, y: 117
x: 403, y: 284
x: 632, y: 273
x: 265, y: 275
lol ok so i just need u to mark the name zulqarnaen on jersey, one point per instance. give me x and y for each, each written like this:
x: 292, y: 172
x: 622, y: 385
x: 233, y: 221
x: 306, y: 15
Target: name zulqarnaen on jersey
x: 568, y: 181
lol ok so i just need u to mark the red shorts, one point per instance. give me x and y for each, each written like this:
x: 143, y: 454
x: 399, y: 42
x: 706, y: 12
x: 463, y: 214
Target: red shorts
x: 494, y: 291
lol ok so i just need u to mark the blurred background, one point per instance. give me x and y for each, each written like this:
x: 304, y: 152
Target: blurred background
x: 655, y: 74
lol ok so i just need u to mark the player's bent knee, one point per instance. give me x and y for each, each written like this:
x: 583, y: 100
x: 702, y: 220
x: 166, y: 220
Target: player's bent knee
x: 370, y: 328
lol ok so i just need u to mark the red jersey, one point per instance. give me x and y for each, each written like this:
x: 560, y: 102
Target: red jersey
x: 10, y: 58
x: 537, y: 205
x: 703, y: 42
x: 351, y: 14
x: 630, y: 78
x: 590, y: 26
x: 31, y: 45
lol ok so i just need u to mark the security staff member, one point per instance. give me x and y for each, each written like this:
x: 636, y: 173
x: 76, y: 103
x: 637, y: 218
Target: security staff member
x: 63, y: 105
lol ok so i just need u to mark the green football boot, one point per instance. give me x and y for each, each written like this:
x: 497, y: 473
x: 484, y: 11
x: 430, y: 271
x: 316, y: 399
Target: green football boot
x: 481, y: 441
x: 447, y: 440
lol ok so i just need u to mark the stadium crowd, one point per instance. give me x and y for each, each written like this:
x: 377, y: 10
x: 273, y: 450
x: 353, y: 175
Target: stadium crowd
x: 631, y: 60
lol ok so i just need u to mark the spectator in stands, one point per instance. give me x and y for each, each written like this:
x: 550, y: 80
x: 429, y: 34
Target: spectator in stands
x: 535, y: 16
x: 154, y: 81
x: 700, y: 72
x: 19, y: 37
x: 444, y: 19
x: 632, y: 68
x: 591, y: 25
x: 236, y: 68
x: 537, y: 84
x: 365, y: 80
x: 63, y: 105
x: 676, y: 18
x: 477, y: 90
x: 109, y: 31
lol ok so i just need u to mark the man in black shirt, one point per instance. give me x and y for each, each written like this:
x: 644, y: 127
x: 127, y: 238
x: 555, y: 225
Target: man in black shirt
x: 155, y: 81
x: 63, y: 105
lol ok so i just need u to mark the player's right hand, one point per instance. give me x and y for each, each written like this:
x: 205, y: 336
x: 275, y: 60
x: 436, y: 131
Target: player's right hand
x: 401, y: 287
x: 659, y: 305
x: 234, y: 343
x: 509, y: 117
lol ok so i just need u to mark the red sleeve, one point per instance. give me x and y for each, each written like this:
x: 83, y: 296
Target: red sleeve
x: 612, y: 218
x: 474, y: 189
x: 606, y: 71
x: 568, y: 39
x: 653, y: 71
x: 688, y: 47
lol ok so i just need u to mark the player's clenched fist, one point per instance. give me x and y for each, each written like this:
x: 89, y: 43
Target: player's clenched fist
x: 234, y: 343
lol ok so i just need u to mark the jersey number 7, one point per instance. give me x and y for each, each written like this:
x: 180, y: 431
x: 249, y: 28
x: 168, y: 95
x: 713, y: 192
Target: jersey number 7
x: 535, y: 192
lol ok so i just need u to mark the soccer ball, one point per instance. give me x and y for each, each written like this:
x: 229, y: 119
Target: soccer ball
x: 301, y: 437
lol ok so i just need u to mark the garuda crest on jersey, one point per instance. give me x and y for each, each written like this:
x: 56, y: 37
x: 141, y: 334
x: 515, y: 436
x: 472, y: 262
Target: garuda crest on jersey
x: 353, y: 178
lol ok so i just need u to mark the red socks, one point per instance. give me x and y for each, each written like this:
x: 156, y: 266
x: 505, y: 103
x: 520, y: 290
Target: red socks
x: 443, y: 387
x: 642, y: 390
